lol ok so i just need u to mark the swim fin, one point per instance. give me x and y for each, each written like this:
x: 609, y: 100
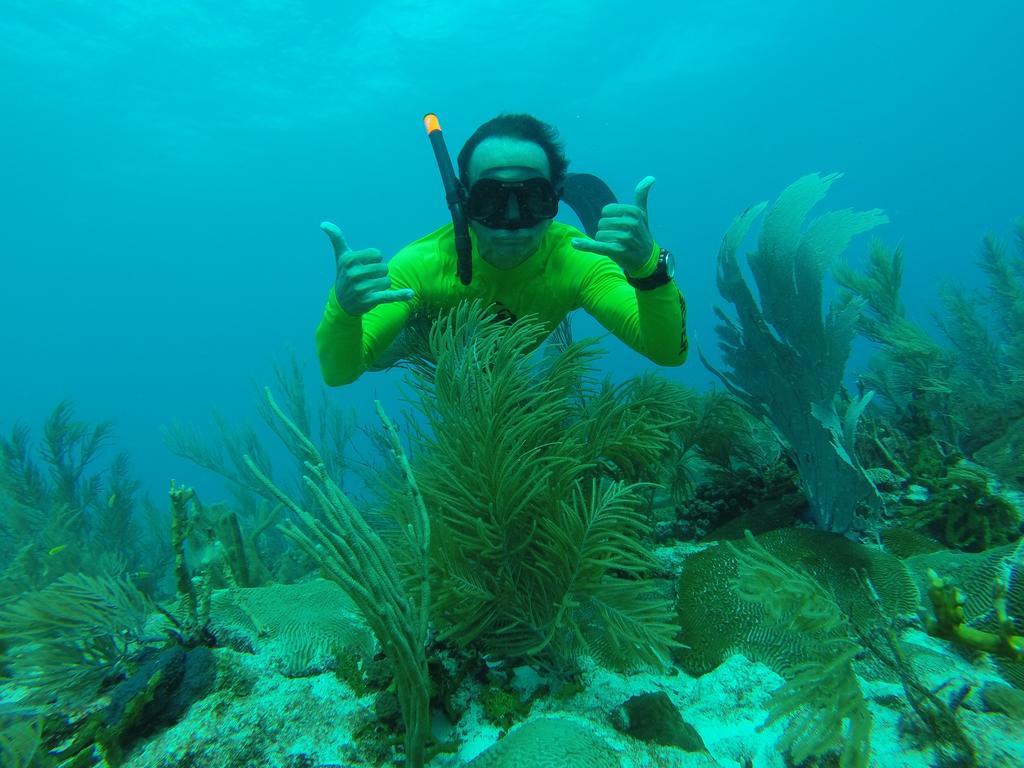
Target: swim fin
x: 586, y: 194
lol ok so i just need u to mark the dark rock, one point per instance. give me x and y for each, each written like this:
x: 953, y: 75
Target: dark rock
x: 161, y: 690
x: 653, y: 718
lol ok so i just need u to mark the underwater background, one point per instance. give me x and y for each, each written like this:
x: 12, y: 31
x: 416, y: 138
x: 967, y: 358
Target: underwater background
x: 166, y: 167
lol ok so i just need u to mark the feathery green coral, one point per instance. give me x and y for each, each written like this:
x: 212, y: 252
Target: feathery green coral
x: 20, y: 738
x: 538, y: 546
x: 71, y: 637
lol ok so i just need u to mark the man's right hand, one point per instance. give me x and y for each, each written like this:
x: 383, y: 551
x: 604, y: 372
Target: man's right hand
x: 362, y: 280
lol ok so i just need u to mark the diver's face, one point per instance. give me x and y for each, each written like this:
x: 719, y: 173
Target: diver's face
x: 507, y: 159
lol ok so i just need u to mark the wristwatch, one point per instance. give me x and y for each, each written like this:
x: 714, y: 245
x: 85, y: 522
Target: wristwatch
x: 663, y: 273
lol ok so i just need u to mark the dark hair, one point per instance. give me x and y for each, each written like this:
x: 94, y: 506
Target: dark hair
x: 518, y: 126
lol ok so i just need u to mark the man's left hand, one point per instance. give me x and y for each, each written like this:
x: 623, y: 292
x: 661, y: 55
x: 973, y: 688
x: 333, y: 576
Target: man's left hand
x: 623, y: 233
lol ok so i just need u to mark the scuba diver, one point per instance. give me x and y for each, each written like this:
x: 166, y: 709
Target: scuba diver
x: 504, y: 247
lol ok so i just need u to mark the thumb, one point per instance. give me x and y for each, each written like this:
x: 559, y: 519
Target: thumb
x: 337, y: 239
x: 643, y: 190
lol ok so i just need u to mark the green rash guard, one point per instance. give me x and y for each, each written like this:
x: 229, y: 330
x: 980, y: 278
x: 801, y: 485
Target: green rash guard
x: 549, y: 284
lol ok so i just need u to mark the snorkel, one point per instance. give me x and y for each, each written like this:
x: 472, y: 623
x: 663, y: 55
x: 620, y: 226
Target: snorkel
x: 454, y: 196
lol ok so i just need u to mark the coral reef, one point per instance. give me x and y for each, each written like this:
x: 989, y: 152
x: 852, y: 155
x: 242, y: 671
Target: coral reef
x: 535, y: 517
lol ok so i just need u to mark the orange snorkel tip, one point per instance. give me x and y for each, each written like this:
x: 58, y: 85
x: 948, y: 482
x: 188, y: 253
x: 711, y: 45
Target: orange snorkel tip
x: 431, y: 123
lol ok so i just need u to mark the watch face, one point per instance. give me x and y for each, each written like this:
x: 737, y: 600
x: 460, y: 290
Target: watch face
x: 670, y: 264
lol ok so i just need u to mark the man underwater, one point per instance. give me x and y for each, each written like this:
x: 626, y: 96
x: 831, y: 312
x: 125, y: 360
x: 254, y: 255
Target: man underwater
x: 523, y: 262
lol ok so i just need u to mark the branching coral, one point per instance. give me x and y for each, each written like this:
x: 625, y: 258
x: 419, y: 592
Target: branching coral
x: 947, y: 620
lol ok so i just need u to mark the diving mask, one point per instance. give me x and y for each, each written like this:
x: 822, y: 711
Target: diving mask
x: 491, y: 203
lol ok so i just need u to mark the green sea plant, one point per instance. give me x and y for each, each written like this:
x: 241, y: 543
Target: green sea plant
x: 821, y: 695
x: 964, y: 391
x: 354, y: 555
x: 503, y: 707
x: 58, y: 514
x: 69, y: 639
x: 21, y: 737
x: 785, y: 359
x: 532, y: 473
x: 245, y: 531
x: 964, y: 509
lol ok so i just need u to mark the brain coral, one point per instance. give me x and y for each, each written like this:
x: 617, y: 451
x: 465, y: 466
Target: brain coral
x: 296, y: 626
x: 716, y: 623
x: 549, y: 743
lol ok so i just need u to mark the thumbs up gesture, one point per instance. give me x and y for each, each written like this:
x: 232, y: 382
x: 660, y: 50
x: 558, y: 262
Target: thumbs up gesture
x: 623, y: 233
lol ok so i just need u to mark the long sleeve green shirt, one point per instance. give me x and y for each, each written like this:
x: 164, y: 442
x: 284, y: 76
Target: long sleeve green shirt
x: 551, y: 283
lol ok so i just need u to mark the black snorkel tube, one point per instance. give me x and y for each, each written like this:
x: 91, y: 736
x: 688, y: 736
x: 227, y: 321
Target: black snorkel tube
x: 454, y: 196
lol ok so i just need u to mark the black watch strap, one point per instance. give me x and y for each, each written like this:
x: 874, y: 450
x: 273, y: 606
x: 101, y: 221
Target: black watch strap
x: 657, y: 278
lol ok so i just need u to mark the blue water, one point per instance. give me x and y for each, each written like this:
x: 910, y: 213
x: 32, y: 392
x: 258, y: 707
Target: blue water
x: 165, y: 165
